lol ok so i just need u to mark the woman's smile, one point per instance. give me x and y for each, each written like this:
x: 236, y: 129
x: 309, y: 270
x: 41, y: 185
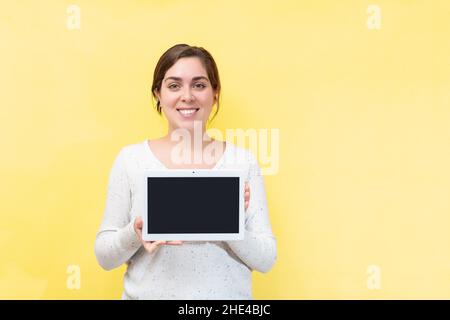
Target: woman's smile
x: 188, y: 113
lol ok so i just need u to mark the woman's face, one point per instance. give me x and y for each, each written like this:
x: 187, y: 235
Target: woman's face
x: 186, y: 94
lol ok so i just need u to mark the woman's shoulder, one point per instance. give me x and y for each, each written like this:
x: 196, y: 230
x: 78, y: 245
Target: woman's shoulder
x: 131, y: 147
x: 132, y: 151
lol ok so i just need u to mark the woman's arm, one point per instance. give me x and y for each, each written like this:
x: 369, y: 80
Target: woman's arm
x: 258, y: 250
x: 117, y: 240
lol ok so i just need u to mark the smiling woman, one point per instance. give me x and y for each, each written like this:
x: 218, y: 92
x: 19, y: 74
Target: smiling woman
x: 186, y: 86
x: 186, y: 79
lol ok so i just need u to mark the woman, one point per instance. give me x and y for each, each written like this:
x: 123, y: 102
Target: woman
x: 186, y: 86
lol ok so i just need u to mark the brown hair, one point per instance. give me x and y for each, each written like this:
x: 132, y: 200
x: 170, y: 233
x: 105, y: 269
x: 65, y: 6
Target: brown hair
x: 172, y: 55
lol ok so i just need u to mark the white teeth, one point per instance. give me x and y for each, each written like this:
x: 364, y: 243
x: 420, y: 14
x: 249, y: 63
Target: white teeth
x: 187, y: 112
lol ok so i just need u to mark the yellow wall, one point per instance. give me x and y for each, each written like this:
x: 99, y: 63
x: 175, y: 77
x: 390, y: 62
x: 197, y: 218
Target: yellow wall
x: 360, y: 205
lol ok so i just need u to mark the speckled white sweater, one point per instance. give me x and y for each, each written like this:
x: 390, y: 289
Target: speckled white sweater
x: 195, y: 269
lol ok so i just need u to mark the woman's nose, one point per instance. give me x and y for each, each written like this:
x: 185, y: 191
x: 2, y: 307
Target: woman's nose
x: 187, y: 96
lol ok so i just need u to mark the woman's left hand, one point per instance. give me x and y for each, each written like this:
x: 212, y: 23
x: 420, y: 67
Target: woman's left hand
x: 246, y: 195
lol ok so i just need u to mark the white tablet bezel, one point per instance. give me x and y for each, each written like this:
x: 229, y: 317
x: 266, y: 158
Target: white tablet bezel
x: 195, y: 236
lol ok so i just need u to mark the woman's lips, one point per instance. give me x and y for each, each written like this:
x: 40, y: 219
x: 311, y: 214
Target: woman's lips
x: 187, y: 113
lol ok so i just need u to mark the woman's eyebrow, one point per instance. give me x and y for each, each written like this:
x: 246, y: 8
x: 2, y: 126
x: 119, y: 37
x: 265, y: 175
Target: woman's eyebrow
x: 199, y: 78
x: 193, y: 79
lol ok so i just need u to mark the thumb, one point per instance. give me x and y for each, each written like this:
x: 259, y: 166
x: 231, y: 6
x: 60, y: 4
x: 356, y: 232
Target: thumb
x: 138, y: 223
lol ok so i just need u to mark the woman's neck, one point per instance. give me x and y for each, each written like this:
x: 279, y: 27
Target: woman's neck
x: 193, y: 138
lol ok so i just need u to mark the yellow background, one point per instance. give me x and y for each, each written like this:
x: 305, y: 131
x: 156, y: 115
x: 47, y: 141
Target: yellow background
x: 364, y: 120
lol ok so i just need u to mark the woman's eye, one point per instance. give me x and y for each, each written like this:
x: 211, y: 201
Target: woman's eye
x: 172, y: 86
x: 200, y: 85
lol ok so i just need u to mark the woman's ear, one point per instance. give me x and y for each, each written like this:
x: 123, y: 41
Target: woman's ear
x: 158, y: 96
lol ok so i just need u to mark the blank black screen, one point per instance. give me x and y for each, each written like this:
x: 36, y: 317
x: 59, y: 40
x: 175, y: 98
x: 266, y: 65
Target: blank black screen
x: 193, y: 204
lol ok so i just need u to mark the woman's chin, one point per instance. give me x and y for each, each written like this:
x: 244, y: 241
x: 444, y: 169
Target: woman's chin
x: 189, y: 124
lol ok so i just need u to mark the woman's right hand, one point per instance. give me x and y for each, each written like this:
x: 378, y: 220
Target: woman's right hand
x: 151, y: 246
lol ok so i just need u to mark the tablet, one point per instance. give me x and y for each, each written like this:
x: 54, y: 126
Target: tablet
x: 193, y: 205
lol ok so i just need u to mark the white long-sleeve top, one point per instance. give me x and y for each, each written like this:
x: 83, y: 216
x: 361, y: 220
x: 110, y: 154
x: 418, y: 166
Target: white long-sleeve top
x: 195, y: 269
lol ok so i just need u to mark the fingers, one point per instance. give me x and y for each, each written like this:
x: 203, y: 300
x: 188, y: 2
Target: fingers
x: 152, y: 246
x: 174, y: 243
x: 158, y: 242
x: 163, y: 242
x: 167, y: 242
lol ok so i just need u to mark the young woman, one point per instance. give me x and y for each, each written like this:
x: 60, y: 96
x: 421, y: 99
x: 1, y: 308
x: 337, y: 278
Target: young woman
x: 186, y: 86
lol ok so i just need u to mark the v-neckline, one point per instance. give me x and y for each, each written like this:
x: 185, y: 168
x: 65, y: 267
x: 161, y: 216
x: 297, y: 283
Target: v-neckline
x: 153, y: 155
